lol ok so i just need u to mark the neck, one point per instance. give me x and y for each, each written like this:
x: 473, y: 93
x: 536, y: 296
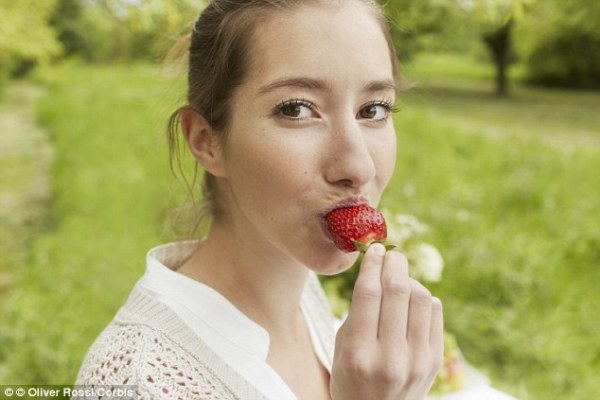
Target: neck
x: 265, y: 285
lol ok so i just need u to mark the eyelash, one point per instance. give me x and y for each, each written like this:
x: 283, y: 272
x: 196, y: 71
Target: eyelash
x: 279, y: 108
x: 387, y: 104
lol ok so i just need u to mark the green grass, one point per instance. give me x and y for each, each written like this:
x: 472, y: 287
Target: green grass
x: 112, y: 186
x: 560, y: 115
x: 508, y: 186
x: 469, y: 67
x: 516, y: 220
x: 24, y: 186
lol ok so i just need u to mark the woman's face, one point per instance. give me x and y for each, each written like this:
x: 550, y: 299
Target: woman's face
x: 310, y: 130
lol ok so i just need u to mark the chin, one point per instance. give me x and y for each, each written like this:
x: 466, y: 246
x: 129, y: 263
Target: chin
x: 334, y: 264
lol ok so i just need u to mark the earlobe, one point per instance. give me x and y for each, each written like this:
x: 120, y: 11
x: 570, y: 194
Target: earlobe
x: 202, y: 141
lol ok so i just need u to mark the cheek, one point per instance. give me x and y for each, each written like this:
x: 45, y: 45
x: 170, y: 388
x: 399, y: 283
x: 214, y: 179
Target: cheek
x: 385, y: 160
x: 267, y: 168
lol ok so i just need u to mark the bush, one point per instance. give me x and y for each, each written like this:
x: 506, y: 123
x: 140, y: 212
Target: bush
x: 563, y: 46
x: 25, y: 36
x: 571, y: 59
x: 117, y: 30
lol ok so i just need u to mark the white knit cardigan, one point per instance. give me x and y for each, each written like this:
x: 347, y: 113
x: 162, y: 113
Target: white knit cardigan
x: 149, y: 346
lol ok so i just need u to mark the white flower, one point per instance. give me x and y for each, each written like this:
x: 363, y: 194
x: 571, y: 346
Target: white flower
x: 405, y: 231
x: 403, y: 227
x: 428, y: 263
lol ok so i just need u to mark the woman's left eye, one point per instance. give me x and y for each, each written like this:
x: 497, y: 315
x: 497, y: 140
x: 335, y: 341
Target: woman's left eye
x: 376, y: 111
x: 295, y: 109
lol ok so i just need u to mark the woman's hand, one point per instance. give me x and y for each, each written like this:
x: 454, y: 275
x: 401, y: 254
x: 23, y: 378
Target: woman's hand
x: 391, y: 344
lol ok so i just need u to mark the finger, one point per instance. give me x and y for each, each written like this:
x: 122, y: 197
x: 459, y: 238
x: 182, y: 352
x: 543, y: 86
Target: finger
x: 363, y: 316
x: 419, y: 316
x: 395, y: 300
x: 436, y: 331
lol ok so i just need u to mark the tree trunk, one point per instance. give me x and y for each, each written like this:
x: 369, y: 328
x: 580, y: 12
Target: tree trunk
x: 499, y: 45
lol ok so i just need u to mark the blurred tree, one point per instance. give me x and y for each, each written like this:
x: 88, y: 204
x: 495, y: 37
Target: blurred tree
x: 559, y: 40
x: 415, y: 22
x: 147, y: 28
x: 101, y: 30
x: 494, y: 20
x: 561, y: 45
x: 26, y: 36
x: 412, y: 22
x: 65, y: 21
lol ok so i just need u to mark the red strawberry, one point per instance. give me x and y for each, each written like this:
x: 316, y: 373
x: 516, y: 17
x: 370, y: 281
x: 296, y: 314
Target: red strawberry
x: 362, y: 224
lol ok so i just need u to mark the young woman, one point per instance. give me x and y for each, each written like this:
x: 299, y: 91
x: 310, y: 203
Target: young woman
x: 289, y: 113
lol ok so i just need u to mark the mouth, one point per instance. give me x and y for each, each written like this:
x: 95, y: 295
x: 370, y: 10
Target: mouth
x: 347, y: 202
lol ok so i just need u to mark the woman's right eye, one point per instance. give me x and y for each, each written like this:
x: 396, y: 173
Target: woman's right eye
x: 295, y: 109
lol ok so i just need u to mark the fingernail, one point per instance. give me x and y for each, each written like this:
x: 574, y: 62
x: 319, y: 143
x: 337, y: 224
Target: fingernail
x: 378, y: 249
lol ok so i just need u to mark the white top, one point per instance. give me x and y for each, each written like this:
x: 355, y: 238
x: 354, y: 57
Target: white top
x: 173, y: 340
x: 238, y: 340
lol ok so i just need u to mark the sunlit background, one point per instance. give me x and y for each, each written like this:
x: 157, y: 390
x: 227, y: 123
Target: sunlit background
x: 498, y: 160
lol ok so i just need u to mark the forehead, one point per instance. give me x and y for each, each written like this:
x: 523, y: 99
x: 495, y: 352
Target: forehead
x: 332, y: 42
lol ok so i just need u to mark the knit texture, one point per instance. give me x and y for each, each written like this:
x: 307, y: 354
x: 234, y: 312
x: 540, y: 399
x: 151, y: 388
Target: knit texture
x: 148, y: 345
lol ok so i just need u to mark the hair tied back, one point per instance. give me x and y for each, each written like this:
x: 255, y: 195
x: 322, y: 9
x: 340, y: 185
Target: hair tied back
x: 178, y: 54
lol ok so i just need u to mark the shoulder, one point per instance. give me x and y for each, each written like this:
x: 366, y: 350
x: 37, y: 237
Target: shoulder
x: 135, y: 349
x: 115, y: 356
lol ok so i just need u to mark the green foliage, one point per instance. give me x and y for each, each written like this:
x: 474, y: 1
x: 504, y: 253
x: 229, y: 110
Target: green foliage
x: 99, y: 39
x: 447, y: 25
x: 558, y: 41
x: 414, y: 23
x: 110, y: 30
x: 562, y: 43
x: 457, y: 26
x: 25, y: 35
x: 156, y: 23
x: 490, y: 15
x: 66, y: 21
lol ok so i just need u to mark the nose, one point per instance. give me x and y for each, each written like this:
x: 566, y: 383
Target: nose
x: 350, y: 161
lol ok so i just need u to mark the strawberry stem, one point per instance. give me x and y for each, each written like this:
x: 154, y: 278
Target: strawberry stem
x: 358, y: 260
x: 362, y: 248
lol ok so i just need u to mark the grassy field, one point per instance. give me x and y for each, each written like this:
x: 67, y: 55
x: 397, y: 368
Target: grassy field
x: 512, y: 191
x: 508, y: 187
x: 111, y: 192
x: 25, y: 155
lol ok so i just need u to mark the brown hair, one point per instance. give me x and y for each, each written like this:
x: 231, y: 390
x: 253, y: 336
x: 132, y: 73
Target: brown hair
x: 218, y: 60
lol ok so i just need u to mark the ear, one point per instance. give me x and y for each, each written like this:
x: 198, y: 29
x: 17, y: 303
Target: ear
x: 202, y: 142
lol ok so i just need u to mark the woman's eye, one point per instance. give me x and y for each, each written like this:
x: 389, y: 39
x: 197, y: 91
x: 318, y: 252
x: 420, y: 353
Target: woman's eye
x: 375, y: 111
x: 295, y: 109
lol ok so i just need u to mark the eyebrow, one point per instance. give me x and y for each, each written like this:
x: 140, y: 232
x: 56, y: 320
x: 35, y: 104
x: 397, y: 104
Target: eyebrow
x: 303, y: 83
x: 378, y: 86
x: 322, y: 85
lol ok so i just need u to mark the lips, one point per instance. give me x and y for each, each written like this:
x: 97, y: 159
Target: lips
x: 347, y: 202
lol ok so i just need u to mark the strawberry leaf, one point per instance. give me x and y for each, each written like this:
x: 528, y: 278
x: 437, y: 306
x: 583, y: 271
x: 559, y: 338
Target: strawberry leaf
x: 360, y: 246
